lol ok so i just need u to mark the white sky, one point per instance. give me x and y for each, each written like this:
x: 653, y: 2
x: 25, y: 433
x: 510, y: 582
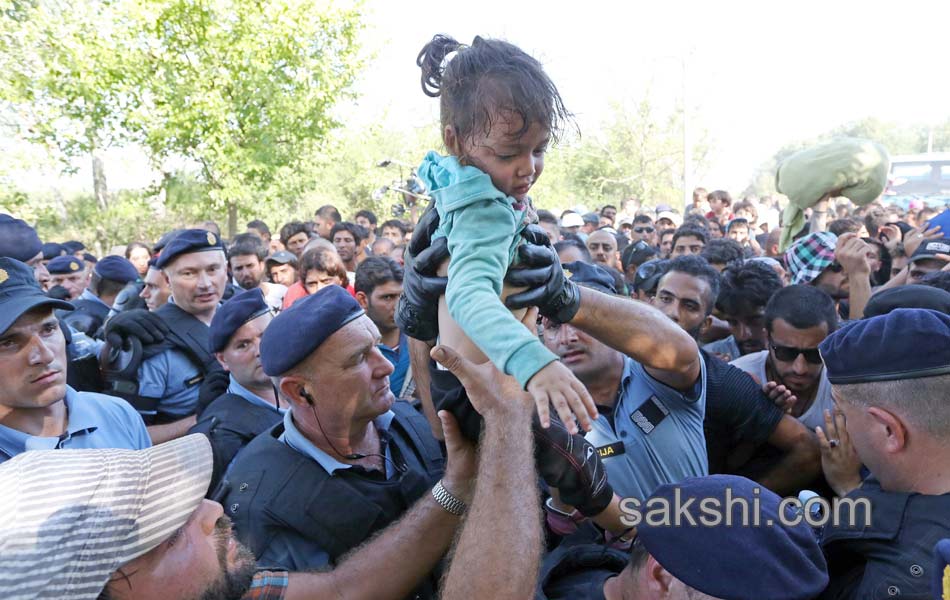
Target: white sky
x: 759, y: 74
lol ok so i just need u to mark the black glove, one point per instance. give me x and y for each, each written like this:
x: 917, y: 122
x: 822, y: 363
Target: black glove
x: 554, y: 294
x: 571, y: 464
x: 417, y: 314
x: 213, y: 385
x: 140, y: 323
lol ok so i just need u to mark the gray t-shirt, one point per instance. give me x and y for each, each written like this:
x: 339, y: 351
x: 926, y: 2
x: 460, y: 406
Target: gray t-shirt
x: 656, y: 436
x: 754, y: 365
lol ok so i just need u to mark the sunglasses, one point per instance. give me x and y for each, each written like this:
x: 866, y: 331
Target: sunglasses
x: 835, y: 267
x: 643, y: 229
x: 790, y: 354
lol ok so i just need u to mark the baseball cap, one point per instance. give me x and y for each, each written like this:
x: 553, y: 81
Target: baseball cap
x: 19, y: 293
x: 669, y: 214
x: 637, y: 253
x: 930, y: 249
x: 572, y: 219
x: 71, y: 518
x: 281, y: 258
x: 649, y: 275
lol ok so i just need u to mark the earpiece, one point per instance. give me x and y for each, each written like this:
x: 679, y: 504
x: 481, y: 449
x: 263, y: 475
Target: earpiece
x: 306, y: 395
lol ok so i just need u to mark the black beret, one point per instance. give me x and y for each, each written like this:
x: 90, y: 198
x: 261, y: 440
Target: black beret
x: 233, y: 314
x: 888, y: 347
x: 19, y: 292
x: 187, y: 242
x: 89, y: 258
x: 728, y: 559
x: 64, y: 265
x: 116, y: 268
x: 908, y: 296
x: 51, y: 250
x: 298, y: 331
x: 591, y: 276
x: 18, y: 240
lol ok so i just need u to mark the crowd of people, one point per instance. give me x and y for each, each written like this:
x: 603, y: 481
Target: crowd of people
x: 493, y: 402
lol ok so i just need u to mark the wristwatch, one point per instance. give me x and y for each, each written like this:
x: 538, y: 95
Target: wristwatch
x: 447, y: 501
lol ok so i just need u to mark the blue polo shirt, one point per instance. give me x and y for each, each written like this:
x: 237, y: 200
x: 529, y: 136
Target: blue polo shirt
x: 399, y: 357
x: 87, y: 295
x: 236, y: 388
x: 656, y: 436
x: 93, y: 421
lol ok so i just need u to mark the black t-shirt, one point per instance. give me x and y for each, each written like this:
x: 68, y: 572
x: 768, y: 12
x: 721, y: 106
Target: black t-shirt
x: 577, y: 569
x: 737, y: 412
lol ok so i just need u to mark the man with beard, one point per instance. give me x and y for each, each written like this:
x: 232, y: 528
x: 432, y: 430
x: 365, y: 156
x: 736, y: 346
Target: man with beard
x: 378, y: 286
x: 740, y: 417
x: 246, y: 256
x: 836, y: 265
x: 746, y: 289
x: 797, y: 319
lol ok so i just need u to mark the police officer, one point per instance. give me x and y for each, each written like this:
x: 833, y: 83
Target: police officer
x: 750, y: 547
x: 346, y: 460
x: 169, y: 372
x: 18, y: 240
x: 39, y: 410
x: 70, y: 273
x: 109, y: 277
x: 892, y: 415
x: 250, y: 405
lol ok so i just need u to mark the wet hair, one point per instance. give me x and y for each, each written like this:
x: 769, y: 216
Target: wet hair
x: 801, y: 306
x: 691, y: 231
x: 484, y: 79
x: 323, y: 259
x: 376, y: 271
x: 937, y: 279
x: 328, y: 211
x: 291, y: 229
x: 722, y: 251
x: 247, y: 244
x: 747, y: 287
x: 368, y: 215
x: 698, y: 267
x: 358, y: 232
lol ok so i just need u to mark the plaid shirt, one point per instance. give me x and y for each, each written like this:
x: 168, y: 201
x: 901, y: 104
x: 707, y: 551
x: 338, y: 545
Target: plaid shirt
x: 268, y: 585
x: 811, y: 255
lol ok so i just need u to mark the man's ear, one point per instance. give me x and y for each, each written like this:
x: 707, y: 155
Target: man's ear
x: 291, y: 388
x: 707, y: 323
x: 658, y: 580
x: 221, y: 362
x: 362, y: 299
x: 892, y: 431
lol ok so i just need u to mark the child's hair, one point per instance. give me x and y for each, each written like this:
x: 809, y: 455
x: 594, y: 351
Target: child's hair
x: 487, y: 77
x: 323, y: 259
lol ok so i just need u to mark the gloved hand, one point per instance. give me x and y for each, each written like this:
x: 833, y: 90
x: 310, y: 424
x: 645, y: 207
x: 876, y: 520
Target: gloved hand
x: 213, y: 385
x: 140, y: 323
x: 571, y: 464
x: 554, y: 294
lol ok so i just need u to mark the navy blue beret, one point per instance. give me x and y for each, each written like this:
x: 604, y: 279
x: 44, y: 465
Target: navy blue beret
x: 18, y: 240
x: 19, y: 292
x: 591, y: 276
x: 186, y: 242
x: 941, y: 574
x: 739, y: 559
x: 163, y: 241
x: 73, y: 246
x: 298, y: 331
x: 65, y: 265
x: 116, y: 268
x: 908, y: 296
x: 51, y: 250
x: 887, y: 347
x: 233, y: 314
x: 89, y: 258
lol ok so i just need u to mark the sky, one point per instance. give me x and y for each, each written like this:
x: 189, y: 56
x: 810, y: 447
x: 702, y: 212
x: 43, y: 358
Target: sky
x: 757, y: 74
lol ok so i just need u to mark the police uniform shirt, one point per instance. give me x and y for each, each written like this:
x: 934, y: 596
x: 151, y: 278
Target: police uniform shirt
x: 87, y: 295
x: 236, y: 388
x: 656, y: 436
x: 285, y: 550
x: 173, y: 378
x: 754, y: 365
x: 94, y: 421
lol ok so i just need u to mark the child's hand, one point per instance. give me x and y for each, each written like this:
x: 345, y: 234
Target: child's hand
x: 555, y: 384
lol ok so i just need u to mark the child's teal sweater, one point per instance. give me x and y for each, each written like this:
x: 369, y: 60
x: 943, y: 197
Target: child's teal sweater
x: 482, y: 227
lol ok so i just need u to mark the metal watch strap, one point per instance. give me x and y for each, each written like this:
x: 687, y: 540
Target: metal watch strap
x: 447, y: 501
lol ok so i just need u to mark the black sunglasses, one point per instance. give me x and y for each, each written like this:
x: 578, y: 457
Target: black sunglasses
x: 789, y: 354
x: 643, y: 229
x: 835, y: 267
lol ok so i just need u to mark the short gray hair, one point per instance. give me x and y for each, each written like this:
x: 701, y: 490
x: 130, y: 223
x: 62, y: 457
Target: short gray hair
x: 922, y: 401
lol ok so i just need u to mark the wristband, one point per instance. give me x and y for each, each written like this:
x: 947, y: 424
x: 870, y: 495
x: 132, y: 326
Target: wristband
x: 446, y: 500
